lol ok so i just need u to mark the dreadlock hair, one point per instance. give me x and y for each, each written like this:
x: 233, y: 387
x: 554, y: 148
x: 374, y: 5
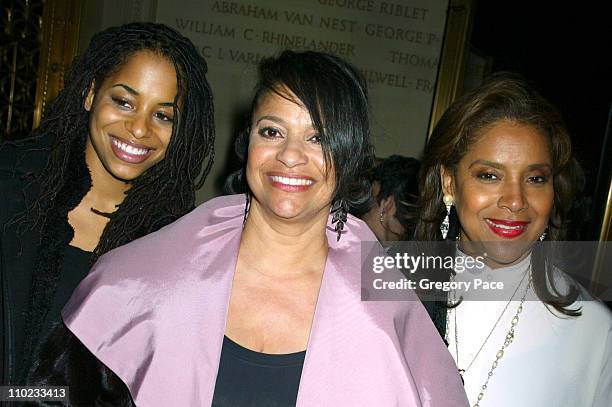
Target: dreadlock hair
x: 335, y: 94
x: 157, y: 197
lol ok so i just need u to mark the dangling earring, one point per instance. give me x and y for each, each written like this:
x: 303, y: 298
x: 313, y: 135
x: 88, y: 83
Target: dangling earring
x: 448, y: 202
x: 543, y: 236
x: 382, y: 217
x: 339, y: 209
x: 247, y: 206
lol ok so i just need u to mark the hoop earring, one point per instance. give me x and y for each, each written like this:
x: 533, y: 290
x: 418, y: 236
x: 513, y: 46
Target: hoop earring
x: 247, y: 206
x: 339, y: 209
x: 448, y: 202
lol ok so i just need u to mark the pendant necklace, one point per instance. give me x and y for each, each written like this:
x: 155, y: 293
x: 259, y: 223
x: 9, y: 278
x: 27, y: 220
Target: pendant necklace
x: 508, y: 340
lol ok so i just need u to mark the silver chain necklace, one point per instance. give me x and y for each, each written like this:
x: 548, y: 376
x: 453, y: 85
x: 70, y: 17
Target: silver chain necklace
x: 508, y: 340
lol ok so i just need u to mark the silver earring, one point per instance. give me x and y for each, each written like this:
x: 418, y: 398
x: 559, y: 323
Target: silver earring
x: 247, y: 206
x: 339, y: 209
x: 543, y: 236
x: 448, y: 202
x: 382, y: 217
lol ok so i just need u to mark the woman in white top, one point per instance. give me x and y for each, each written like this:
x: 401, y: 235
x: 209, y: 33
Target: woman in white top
x: 498, y: 176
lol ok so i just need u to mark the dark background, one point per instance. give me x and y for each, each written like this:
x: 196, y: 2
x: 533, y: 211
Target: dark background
x: 565, y: 49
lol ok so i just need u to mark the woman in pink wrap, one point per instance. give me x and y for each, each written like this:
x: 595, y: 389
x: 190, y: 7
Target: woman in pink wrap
x: 258, y: 303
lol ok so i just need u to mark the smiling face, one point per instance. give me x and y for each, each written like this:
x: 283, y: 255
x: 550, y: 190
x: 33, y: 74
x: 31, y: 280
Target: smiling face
x: 286, y: 169
x: 131, y: 116
x: 503, y: 191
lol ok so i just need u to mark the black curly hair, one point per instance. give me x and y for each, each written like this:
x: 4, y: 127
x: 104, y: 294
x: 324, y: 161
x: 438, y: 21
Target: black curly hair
x: 160, y: 195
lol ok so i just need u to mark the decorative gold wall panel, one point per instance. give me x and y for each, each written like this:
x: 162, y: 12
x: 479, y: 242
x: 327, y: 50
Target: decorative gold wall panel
x: 454, y: 57
x: 38, y: 40
x: 20, y: 40
x: 60, y: 37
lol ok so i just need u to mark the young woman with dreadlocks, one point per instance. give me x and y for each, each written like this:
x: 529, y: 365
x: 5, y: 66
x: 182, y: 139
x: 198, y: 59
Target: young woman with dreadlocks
x: 119, y: 154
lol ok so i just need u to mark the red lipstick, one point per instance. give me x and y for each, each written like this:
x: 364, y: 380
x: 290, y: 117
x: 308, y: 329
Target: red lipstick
x: 507, y: 228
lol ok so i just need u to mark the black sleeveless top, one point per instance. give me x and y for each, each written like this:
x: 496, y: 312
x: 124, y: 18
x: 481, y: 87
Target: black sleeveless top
x: 247, y: 378
x: 75, y: 267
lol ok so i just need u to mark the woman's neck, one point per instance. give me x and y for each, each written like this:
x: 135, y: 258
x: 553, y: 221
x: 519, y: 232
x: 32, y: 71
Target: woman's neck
x: 518, y: 265
x: 291, y: 246
x: 106, y: 192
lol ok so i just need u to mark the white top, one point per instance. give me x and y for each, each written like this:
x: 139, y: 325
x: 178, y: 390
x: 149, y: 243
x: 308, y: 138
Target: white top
x: 554, y: 360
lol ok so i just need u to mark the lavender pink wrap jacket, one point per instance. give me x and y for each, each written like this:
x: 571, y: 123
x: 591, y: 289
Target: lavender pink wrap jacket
x: 154, y: 312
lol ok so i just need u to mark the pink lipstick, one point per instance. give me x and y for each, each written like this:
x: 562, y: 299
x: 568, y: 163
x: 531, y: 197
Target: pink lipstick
x: 129, y: 152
